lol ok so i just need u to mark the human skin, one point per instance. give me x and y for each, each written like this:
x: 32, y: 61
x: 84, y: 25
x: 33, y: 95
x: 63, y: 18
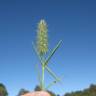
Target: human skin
x: 37, y: 93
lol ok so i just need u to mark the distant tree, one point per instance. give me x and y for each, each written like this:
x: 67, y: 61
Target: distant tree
x: 92, y: 88
x: 38, y: 88
x: 67, y: 94
x: 91, y: 91
x: 22, y: 92
x: 3, y: 91
x: 51, y: 93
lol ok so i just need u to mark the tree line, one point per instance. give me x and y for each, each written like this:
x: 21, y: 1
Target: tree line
x: 91, y: 91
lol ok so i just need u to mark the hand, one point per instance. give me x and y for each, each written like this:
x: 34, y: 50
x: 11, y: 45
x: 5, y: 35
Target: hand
x: 37, y: 93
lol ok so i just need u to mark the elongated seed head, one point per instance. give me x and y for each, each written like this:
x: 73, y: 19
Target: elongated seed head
x: 42, y: 37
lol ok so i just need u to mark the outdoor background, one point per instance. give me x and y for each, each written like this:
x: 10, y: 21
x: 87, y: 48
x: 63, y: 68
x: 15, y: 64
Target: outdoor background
x: 73, y: 21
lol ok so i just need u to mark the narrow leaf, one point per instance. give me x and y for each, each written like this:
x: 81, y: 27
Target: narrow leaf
x: 52, y: 74
x: 47, y: 68
x: 51, y: 84
x: 52, y: 53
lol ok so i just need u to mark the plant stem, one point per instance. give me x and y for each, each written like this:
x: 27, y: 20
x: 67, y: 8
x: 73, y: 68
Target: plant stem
x: 43, y: 69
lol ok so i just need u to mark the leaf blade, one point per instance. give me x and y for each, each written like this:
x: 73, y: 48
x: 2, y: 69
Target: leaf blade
x: 53, y: 51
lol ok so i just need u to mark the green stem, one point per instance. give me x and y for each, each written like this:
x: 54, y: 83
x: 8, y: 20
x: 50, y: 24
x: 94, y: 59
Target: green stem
x: 43, y: 69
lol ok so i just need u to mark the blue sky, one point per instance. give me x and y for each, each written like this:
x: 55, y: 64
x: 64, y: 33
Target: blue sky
x: 73, y: 21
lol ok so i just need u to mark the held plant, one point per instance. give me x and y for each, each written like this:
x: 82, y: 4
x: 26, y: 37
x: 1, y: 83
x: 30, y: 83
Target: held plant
x: 41, y: 49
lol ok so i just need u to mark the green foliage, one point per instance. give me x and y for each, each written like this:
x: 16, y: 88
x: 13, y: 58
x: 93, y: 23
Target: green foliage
x: 3, y: 91
x: 51, y: 93
x: 37, y: 88
x: 91, y: 91
x: 22, y: 92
